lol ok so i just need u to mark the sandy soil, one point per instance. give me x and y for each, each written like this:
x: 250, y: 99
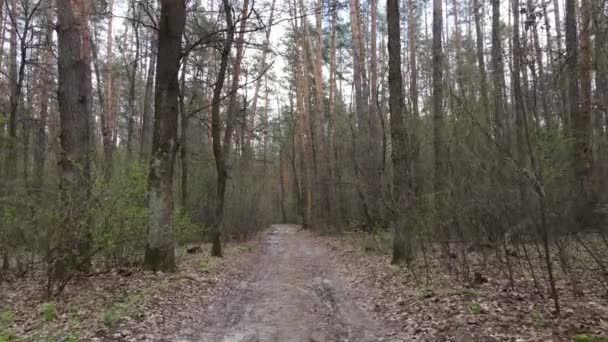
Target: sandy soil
x: 292, y: 294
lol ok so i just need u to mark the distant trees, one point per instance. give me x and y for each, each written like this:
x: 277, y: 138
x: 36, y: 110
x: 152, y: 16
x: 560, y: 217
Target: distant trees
x: 490, y: 133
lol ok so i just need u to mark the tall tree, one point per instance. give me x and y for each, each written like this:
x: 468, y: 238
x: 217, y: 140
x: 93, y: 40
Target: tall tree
x: 147, y: 122
x: 107, y: 130
x: 216, y: 129
x: 402, y: 196
x: 75, y: 104
x: 40, y: 152
x: 364, y: 157
x: 160, y: 254
x: 580, y: 112
x: 16, y: 84
x: 414, y: 133
x: 498, y: 79
x: 441, y: 183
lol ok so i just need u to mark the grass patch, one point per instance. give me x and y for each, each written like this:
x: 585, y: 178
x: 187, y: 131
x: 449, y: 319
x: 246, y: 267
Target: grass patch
x: 122, y: 309
x: 48, y: 311
x: 589, y: 338
x: 425, y: 292
x: 7, y: 318
x: 539, y: 320
x: 470, y: 292
x: 475, y: 308
x: 204, y: 265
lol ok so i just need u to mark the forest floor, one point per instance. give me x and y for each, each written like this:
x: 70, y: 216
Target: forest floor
x: 293, y: 285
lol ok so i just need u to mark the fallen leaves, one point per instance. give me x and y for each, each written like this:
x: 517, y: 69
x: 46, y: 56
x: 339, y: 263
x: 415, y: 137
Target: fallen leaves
x: 125, y: 304
x: 488, y: 310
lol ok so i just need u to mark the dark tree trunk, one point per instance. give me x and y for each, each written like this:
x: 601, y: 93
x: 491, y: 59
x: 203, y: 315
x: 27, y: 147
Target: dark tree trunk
x: 40, y: 151
x: 441, y: 183
x: 147, y: 120
x: 75, y: 103
x: 160, y: 254
x: 402, y: 242
x: 216, y: 131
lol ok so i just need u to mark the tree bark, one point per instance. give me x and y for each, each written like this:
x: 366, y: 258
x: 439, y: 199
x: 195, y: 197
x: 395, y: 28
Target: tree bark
x: 498, y: 79
x: 107, y: 132
x: 147, y: 122
x: 216, y: 130
x: 185, y: 124
x: 582, y: 128
x: 75, y: 103
x: 362, y: 155
x: 132, y: 84
x: 258, y: 83
x: 402, y: 241
x: 481, y: 64
x: 439, y: 127
x: 11, y: 155
x: 40, y: 152
x: 418, y: 177
x: 160, y: 254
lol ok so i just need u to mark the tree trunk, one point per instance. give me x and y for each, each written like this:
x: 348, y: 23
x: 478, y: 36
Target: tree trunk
x: 132, y: 85
x: 160, y: 253
x: 418, y: 177
x: 216, y: 130
x: 439, y: 127
x: 40, y: 152
x: 75, y: 101
x: 542, y: 80
x: 362, y: 155
x: 581, y: 116
x: 498, y: 77
x: 11, y: 155
x: 258, y: 83
x: 402, y: 241
x: 481, y: 64
x: 185, y: 123
x: 147, y: 122
x: 332, y: 151
x: 107, y: 132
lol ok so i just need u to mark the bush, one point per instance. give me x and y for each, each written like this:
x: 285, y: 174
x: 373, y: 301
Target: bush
x: 120, y: 217
x: 48, y: 311
x: 186, y: 231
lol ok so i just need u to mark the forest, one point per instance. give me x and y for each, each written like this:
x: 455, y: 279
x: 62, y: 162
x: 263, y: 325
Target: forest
x: 449, y: 144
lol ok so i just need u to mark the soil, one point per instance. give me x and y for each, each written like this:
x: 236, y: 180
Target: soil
x: 292, y: 293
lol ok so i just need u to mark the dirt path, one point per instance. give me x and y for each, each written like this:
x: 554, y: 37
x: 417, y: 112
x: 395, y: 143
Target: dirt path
x: 292, y: 294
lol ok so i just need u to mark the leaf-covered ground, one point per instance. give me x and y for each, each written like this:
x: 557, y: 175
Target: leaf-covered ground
x: 120, y: 304
x: 257, y: 281
x: 444, y: 309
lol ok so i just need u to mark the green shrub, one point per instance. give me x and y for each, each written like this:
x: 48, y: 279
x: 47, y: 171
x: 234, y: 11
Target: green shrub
x: 48, y: 311
x: 204, y: 265
x: 475, y: 308
x: 185, y: 230
x: 539, y: 319
x: 120, y: 215
x: 470, y: 292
